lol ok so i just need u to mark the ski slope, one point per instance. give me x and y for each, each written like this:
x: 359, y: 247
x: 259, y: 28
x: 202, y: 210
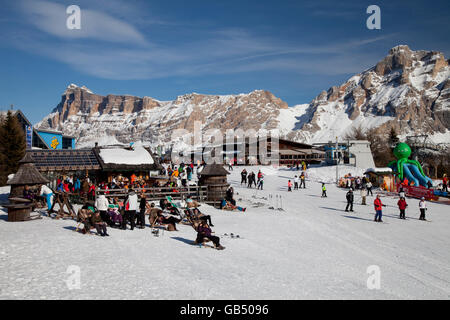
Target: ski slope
x: 311, y: 250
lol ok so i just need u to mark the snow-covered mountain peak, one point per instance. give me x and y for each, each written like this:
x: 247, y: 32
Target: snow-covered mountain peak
x: 407, y: 90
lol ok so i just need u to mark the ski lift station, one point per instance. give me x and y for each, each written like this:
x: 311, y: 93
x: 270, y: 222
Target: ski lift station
x: 352, y: 152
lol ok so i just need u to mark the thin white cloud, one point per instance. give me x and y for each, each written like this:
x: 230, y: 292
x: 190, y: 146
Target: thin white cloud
x: 51, y: 18
x: 224, y: 51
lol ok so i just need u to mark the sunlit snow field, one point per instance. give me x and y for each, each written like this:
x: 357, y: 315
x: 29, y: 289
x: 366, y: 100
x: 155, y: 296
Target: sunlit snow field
x: 311, y: 250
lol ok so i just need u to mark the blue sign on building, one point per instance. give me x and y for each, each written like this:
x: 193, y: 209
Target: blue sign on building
x: 29, y: 136
x: 52, y: 139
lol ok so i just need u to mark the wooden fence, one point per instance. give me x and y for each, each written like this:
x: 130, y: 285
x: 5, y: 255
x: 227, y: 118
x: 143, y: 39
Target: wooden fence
x: 198, y: 193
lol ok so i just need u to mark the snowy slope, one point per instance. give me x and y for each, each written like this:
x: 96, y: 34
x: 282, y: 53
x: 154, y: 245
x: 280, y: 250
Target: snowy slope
x: 312, y: 250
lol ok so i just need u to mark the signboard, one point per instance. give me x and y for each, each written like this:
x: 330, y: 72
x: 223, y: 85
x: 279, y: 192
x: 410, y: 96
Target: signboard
x: 53, y: 140
x: 419, y: 192
x: 29, y: 136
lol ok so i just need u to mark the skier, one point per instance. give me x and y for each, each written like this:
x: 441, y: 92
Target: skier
x: 402, y: 207
x: 369, y: 188
x: 363, y: 196
x: 401, y: 193
x: 230, y: 165
x: 358, y: 183
x: 289, y: 185
x: 296, y: 183
x: 302, y: 180
x: 261, y: 182
x: 244, y: 177
x: 259, y: 175
x: 324, y: 190
x: 444, y: 183
x: 378, y: 208
x: 350, y: 198
x: 251, y: 179
x: 422, y: 208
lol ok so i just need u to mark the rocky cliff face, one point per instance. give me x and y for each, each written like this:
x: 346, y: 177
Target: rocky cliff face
x: 407, y: 90
x: 110, y: 119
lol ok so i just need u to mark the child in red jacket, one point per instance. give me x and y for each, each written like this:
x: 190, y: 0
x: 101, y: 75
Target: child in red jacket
x: 402, y: 206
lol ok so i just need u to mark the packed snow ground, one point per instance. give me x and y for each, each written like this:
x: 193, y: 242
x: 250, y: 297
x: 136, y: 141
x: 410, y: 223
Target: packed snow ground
x: 311, y: 250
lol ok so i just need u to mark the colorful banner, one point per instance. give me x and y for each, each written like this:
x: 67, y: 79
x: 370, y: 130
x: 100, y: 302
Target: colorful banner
x: 29, y: 136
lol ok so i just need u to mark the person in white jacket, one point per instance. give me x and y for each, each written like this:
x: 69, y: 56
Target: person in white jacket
x: 363, y: 196
x: 183, y: 176
x: 296, y: 180
x: 48, y: 195
x: 101, y: 203
x: 422, y: 208
x: 131, y: 205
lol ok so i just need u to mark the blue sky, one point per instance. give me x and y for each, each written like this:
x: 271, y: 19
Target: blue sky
x: 163, y: 49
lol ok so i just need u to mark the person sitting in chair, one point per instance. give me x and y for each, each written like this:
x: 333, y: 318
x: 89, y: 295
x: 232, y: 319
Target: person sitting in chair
x: 192, y: 203
x: 114, y: 214
x: 195, y: 214
x: 84, y: 216
x: 153, y: 214
x: 166, y: 205
x: 204, y: 231
x: 99, y: 224
x: 170, y: 221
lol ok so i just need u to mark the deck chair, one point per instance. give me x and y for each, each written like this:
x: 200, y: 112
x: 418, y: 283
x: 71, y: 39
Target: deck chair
x: 195, y: 223
x: 173, y: 203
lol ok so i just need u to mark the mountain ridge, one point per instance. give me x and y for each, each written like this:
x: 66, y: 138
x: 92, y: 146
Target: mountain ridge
x: 407, y: 90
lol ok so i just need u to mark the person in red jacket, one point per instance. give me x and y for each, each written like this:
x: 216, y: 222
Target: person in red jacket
x: 66, y: 186
x: 444, y: 183
x: 289, y: 185
x: 378, y: 208
x: 402, y: 206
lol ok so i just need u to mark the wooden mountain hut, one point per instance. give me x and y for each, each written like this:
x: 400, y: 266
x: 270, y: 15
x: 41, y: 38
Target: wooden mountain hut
x: 26, y: 175
x: 214, y: 176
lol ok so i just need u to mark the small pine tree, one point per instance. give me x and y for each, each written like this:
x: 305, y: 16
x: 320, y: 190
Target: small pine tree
x: 356, y: 133
x: 393, y: 138
x: 12, y: 146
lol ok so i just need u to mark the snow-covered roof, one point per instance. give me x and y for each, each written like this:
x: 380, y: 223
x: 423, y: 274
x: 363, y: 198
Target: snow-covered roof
x: 136, y: 156
x: 379, y: 170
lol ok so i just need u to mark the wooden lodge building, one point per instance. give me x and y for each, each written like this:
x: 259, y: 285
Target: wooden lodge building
x: 289, y: 152
x: 99, y: 163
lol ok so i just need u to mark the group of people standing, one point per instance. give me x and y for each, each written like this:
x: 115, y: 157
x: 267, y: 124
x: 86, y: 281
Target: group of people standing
x: 299, y: 182
x: 378, y: 204
x: 249, y: 179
